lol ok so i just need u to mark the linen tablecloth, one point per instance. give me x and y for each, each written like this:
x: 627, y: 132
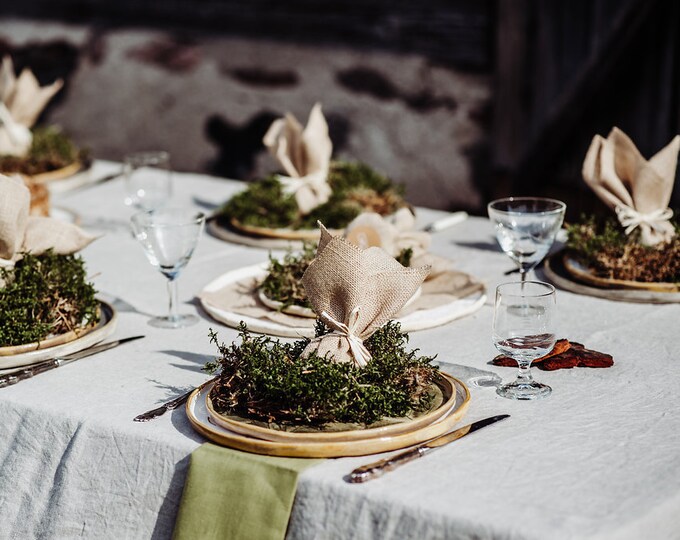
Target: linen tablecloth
x: 597, y: 459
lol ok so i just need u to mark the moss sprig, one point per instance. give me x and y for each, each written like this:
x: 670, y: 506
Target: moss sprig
x: 50, y: 150
x: 44, y: 295
x: 265, y: 379
x: 604, y: 247
x: 356, y: 188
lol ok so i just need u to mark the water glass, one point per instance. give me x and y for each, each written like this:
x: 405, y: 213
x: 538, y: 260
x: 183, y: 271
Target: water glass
x: 526, y: 228
x: 148, y: 182
x: 169, y: 237
x: 523, y: 329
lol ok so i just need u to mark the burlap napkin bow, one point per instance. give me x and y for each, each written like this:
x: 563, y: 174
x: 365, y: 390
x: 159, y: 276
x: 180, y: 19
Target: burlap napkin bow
x: 636, y: 189
x: 22, y: 100
x: 355, y: 292
x: 20, y: 232
x: 391, y: 233
x: 305, y: 155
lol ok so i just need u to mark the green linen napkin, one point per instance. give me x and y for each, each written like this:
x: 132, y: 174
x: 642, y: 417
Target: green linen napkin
x: 230, y: 494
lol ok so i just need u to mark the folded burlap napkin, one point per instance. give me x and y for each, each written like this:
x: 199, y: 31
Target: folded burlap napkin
x: 20, y: 232
x: 354, y: 292
x: 305, y: 155
x: 22, y: 100
x: 391, y: 233
x: 636, y: 189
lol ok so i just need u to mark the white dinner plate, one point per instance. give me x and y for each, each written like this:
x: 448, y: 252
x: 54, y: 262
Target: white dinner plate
x: 105, y: 327
x: 418, y: 320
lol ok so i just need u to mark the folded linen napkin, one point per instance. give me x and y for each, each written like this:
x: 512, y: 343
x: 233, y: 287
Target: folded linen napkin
x: 20, y: 232
x: 239, y: 496
x: 22, y: 100
x: 391, y: 233
x: 354, y: 292
x: 305, y: 155
x: 565, y: 355
x: 636, y: 189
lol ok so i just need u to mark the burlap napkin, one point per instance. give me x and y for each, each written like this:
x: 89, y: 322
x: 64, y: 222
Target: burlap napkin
x: 636, y: 189
x: 20, y: 232
x: 354, y: 292
x: 391, y: 233
x: 305, y: 155
x: 22, y: 100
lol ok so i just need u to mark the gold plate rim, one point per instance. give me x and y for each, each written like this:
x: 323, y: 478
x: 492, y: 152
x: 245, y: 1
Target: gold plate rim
x: 57, y: 174
x: 283, y: 234
x: 328, y: 449
x: 447, y: 387
x: 584, y: 274
x: 39, y: 352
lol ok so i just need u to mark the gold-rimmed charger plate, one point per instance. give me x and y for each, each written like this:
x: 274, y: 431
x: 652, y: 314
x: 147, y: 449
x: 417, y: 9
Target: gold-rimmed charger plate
x: 555, y: 272
x: 311, y: 235
x: 582, y: 273
x: 31, y: 353
x: 445, y: 401
x: 197, y: 413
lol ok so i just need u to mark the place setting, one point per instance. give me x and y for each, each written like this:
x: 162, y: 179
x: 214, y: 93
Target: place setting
x: 51, y: 313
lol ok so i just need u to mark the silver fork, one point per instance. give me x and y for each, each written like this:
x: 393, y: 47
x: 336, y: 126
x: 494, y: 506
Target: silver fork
x: 167, y: 406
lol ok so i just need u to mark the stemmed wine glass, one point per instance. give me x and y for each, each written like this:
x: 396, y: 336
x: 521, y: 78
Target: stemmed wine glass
x: 523, y: 329
x: 526, y: 228
x: 148, y: 182
x: 169, y: 237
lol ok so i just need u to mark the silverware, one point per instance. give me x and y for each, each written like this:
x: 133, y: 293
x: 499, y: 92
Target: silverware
x: 444, y: 223
x: 97, y: 182
x: 378, y: 468
x: 167, y: 406
x: 19, y: 375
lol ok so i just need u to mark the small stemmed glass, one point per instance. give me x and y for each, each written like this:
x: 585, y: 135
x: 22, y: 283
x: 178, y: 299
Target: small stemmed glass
x: 526, y: 228
x: 148, y: 180
x: 523, y: 329
x: 169, y: 237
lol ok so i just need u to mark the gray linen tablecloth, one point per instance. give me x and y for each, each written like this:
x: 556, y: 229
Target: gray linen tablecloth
x: 600, y: 458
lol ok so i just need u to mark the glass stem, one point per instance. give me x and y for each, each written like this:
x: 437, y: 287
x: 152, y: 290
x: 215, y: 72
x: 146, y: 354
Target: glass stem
x: 522, y: 275
x: 172, y: 299
x: 524, y: 372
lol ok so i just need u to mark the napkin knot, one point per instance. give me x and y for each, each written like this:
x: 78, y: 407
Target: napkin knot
x: 347, y: 331
x: 631, y: 218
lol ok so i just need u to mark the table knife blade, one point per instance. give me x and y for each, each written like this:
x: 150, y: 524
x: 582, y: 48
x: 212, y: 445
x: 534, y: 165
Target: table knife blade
x: 27, y: 372
x: 378, y: 468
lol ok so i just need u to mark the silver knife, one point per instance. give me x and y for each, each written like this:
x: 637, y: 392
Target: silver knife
x: 19, y: 375
x: 377, y: 469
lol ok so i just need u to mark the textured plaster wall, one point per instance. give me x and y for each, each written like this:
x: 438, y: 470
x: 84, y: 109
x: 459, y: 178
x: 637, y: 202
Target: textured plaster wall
x: 208, y: 99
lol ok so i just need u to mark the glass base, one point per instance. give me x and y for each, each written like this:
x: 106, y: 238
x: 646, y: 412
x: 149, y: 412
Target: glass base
x: 524, y: 390
x: 173, y: 322
x: 485, y: 381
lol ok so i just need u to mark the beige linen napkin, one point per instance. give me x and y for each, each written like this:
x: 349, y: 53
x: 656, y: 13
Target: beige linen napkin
x: 20, y: 232
x: 22, y: 100
x: 354, y: 292
x: 636, y: 189
x: 391, y: 233
x: 305, y: 155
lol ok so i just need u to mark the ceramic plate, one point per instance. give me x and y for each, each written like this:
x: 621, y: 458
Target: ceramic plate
x: 555, y: 272
x: 24, y: 355
x: 69, y: 177
x: 418, y: 320
x: 445, y: 401
x: 586, y: 275
x: 200, y: 420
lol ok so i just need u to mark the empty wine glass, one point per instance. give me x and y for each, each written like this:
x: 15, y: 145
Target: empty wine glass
x: 169, y: 237
x: 148, y: 183
x: 523, y: 329
x: 526, y: 228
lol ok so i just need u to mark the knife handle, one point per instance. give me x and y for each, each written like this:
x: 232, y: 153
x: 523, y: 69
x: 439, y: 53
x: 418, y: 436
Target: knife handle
x: 378, y: 468
x: 22, y: 374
